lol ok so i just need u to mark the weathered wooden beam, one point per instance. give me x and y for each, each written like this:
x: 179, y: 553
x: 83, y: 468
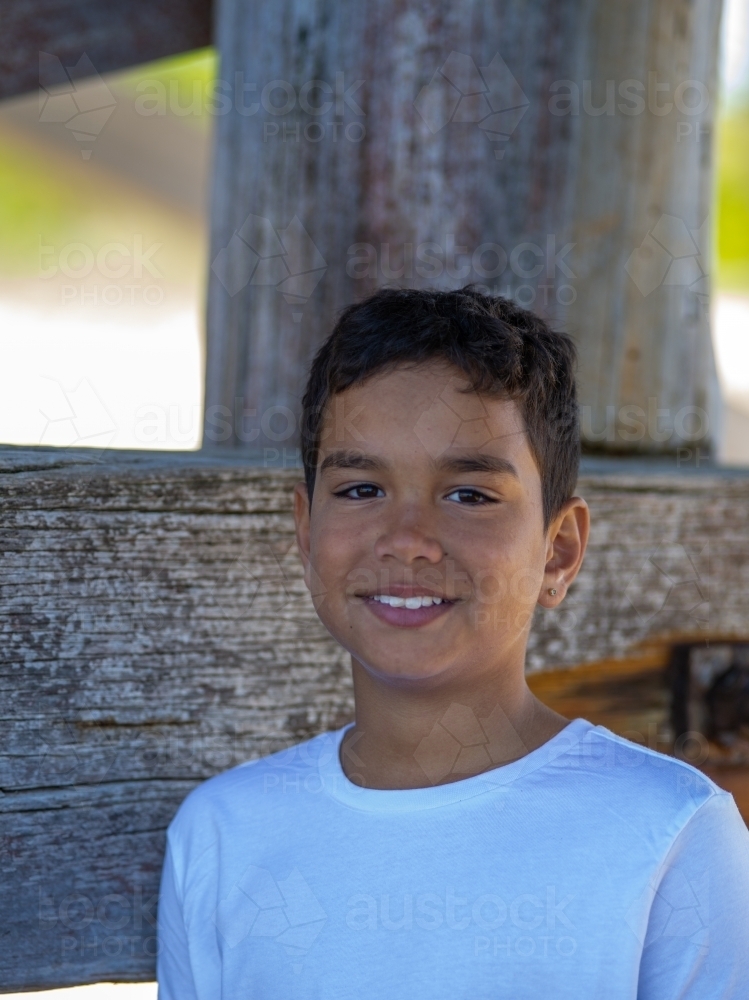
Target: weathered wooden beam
x: 155, y: 629
x: 556, y: 152
x: 113, y: 35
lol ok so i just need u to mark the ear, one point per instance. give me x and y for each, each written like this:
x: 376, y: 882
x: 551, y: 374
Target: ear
x: 301, y: 519
x: 566, y: 541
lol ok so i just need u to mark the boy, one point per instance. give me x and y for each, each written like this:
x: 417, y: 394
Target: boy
x: 460, y: 839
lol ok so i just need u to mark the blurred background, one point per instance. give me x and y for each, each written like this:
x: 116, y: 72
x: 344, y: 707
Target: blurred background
x: 103, y: 263
x: 103, y: 257
x: 731, y: 215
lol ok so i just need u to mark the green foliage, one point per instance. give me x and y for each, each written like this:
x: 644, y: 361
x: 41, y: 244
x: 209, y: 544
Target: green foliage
x: 36, y: 202
x: 182, y: 82
x: 48, y: 201
x: 733, y: 200
x: 185, y: 69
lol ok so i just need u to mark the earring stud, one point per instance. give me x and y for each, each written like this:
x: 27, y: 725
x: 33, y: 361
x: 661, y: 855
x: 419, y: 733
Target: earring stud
x: 552, y: 591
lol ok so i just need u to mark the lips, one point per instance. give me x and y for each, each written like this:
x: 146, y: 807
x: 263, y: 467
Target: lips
x: 407, y: 610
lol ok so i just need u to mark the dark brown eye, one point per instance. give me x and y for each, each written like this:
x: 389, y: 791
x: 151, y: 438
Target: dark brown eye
x: 364, y: 491
x: 468, y: 496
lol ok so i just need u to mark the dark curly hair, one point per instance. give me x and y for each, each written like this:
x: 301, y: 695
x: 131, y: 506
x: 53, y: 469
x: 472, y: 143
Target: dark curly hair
x: 504, y: 351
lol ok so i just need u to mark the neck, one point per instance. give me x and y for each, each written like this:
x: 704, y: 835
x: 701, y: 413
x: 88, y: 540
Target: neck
x: 412, y: 738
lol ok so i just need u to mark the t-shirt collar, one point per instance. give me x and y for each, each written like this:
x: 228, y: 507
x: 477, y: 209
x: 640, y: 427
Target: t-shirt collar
x: 335, y: 783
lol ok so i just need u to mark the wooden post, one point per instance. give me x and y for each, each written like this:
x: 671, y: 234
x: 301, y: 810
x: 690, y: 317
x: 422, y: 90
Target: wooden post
x: 555, y: 152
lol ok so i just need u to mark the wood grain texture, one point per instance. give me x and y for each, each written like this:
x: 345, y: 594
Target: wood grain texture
x: 156, y: 630
x: 573, y: 197
x: 113, y: 36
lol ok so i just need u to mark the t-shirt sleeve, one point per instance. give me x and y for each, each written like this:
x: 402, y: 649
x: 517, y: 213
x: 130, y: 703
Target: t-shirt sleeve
x: 173, y: 968
x: 697, y: 942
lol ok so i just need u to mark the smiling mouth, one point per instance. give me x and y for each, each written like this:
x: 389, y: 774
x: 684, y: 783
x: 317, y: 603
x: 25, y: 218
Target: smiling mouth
x: 410, y: 611
x: 412, y: 603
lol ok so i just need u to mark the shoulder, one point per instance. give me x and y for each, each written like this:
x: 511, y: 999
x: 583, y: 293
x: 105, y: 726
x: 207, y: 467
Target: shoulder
x: 639, y: 782
x: 248, y: 793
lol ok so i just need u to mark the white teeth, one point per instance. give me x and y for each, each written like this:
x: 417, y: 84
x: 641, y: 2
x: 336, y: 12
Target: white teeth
x: 412, y: 603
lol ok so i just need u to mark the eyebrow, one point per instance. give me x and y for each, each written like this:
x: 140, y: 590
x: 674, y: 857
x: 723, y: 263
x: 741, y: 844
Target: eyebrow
x: 457, y: 463
x: 477, y: 463
x: 351, y: 460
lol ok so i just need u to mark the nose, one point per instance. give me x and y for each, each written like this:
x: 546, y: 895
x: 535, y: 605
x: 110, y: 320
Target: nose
x: 408, y: 537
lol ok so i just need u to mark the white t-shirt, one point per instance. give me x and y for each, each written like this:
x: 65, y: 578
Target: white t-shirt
x: 591, y: 868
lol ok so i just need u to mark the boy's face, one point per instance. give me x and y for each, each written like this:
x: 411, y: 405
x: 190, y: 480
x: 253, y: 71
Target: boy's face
x: 425, y: 548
